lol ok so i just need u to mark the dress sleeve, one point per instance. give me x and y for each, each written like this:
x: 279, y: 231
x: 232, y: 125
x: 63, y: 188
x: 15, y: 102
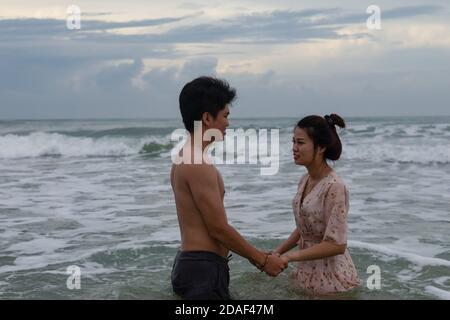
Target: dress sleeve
x: 336, y: 206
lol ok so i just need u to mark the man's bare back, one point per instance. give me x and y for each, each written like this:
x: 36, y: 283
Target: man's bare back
x: 193, y: 230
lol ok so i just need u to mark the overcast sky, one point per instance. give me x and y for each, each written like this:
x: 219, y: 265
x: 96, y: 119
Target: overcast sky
x: 130, y: 59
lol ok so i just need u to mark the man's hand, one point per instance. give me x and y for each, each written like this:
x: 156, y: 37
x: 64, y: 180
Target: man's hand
x: 272, y: 252
x: 275, y: 265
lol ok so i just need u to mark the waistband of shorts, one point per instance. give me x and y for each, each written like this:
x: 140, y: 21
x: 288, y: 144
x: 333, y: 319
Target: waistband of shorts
x: 202, y: 255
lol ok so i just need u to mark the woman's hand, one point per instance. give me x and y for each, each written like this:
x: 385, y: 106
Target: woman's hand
x: 285, y: 258
x: 274, y: 265
x: 272, y: 252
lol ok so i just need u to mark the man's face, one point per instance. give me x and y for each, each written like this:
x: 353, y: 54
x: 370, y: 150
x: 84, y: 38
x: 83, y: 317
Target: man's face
x: 221, y: 121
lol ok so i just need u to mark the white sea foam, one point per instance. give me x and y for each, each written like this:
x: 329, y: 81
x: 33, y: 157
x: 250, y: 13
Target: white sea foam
x: 43, y: 260
x: 38, y: 246
x: 417, y: 259
x: 58, y: 211
x: 396, y: 151
x: 440, y: 293
x: 442, y: 280
x: 39, y: 144
x: 364, y: 142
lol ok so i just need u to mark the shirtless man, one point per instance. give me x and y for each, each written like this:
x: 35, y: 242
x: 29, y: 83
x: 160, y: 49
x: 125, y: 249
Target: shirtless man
x: 200, y: 270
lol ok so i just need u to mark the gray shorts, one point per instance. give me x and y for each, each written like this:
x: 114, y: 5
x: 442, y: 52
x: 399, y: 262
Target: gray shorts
x: 201, y: 275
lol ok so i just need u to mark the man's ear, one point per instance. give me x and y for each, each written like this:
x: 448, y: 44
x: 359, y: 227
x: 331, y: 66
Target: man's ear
x: 206, y: 119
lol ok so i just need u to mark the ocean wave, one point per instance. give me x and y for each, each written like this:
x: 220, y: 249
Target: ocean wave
x: 433, y: 152
x: 153, y: 148
x: 131, y: 132
x: 128, y: 141
x: 416, y: 259
x: 440, y: 293
x: 403, y: 131
x: 122, y: 132
x: 42, y: 144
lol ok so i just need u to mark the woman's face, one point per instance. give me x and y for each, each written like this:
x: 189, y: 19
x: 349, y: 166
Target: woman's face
x: 302, y: 147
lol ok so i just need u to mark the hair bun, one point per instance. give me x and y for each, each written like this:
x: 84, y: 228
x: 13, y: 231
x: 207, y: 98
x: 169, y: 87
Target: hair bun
x: 329, y: 120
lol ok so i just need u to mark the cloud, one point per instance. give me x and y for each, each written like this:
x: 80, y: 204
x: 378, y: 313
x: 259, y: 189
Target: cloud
x: 200, y: 66
x: 108, y: 90
x: 17, y: 29
x: 101, y: 25
x: 98, y: 14
x: 412, y: 11
x: 51, y: 72
x: 382, y: 87
x: 339, y: 17
x: 120, y: 76
x: 278, y: 26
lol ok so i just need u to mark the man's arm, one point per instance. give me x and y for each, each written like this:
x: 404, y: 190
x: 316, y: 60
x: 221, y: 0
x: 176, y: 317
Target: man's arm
x: 205, y: 191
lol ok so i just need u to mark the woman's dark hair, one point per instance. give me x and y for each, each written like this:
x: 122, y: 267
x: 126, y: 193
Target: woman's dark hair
x: 204, y: 94
x: 322, y: 131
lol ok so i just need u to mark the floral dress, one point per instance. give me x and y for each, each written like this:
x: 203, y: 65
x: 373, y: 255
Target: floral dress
x: 323, y: 216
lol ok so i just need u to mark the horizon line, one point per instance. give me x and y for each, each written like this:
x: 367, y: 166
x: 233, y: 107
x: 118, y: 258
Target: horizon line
x: 237, y: 118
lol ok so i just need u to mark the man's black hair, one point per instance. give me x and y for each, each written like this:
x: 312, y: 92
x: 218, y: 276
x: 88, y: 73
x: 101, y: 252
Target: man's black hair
x: 204, y: 94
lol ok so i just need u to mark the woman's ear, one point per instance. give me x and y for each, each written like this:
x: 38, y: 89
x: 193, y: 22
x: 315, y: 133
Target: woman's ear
x: 321, y: 150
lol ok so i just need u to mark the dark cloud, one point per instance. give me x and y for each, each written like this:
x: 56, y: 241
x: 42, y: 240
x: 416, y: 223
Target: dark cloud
x: 412, y: 11
x: 48, y: 71
x: 268, y: 27
x: 119, y: 77
x: 103, y: 91
x: 17, y: 29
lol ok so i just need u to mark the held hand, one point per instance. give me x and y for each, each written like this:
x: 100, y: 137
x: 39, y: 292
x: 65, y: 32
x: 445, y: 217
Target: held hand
x: 271, y: 252
x: 274, y: 265
x: 285, y: 258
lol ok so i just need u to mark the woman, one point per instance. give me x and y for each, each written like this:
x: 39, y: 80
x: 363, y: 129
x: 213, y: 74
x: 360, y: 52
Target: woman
x: 320, y: 209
